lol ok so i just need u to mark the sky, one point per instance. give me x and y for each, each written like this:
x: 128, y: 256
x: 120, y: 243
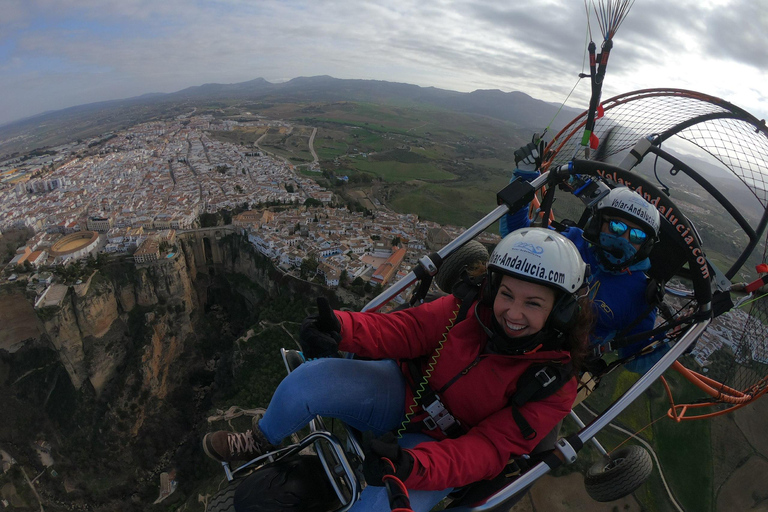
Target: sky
x: 61, y: 53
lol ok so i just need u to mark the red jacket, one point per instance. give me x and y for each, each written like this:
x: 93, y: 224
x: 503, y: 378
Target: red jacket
x: 478, y: 399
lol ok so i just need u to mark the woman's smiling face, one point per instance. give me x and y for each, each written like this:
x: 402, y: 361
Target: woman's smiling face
x: 521, y: 308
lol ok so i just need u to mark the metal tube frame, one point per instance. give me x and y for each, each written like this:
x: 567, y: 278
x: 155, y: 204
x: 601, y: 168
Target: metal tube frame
x: 348, y: 474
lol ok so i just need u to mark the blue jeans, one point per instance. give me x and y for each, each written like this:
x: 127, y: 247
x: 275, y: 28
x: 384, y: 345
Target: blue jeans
x: 366, y: 395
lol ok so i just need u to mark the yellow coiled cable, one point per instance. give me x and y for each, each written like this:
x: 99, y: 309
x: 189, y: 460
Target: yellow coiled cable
x: 427, y: 374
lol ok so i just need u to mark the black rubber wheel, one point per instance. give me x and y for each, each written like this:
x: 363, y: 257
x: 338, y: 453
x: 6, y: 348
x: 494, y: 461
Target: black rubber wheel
x: 450, y: 271
x: 224, y: 500
x: 297, y: 483
x: 626, y: 469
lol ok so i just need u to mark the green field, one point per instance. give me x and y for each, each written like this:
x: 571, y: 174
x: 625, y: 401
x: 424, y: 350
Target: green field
x: 458, y: 161
x: 684, y: 449
x: 454, y: 204
x: 295, y: 157
x: 399, y: 171
x: 330, y: 149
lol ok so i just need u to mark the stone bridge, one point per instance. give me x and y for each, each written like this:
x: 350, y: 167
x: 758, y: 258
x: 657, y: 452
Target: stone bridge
x: 205, y: 243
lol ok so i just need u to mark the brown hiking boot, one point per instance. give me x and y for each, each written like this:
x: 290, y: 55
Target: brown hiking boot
x: 231, y: 446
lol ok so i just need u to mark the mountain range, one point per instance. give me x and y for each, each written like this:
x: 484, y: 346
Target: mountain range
x: 94, y: 118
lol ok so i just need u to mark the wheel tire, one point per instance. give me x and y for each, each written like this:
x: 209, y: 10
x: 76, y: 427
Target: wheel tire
x: 626, y: 469
x: 450, y: 271
x: 297, y: 483
x: 224, y: 500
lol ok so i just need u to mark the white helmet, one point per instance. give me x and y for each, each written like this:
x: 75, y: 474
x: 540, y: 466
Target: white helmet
x: 541, y: 256
x: 625, y: 203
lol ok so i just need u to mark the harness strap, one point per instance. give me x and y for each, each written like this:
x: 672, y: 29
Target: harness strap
x: 525, y: 428
x: 460, y: 374
x: 438, y: 414
x: 654, y: 295
x: 536, y: 383
x: 466, y: 290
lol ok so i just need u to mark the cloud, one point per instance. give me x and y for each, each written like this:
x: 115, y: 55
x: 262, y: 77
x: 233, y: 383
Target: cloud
x: 740, y: 33
x: 107, y: 49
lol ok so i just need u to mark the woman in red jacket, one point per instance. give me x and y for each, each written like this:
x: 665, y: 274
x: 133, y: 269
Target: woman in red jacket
x: 528, y: 313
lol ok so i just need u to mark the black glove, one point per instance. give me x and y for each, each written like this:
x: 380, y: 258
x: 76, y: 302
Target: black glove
x: 528, y: 157
x: 320, y: 334
x: 386, y: 446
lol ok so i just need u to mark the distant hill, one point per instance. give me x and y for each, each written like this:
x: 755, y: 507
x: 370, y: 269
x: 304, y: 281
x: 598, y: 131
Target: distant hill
x: 83, y: 121
x: 516, y: 107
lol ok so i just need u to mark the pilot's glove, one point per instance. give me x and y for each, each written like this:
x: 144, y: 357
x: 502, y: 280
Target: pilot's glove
x: 374, y: 468
x: 528, y: 159
x: 320, y: 334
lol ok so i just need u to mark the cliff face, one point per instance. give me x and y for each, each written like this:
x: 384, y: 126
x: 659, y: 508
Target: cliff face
x: 89, y: 329
x: 237, y: 256
x: 95, y: 328
x: 156, y: 343
x: 65, y: 336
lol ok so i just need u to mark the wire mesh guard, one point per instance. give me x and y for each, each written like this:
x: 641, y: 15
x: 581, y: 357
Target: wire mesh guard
x: 731, y: 135
x: 733, y: 358
x: 730, y: 361
x: 743, y: 337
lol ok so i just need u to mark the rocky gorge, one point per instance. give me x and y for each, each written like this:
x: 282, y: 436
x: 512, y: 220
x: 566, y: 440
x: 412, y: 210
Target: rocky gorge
x: 119, y: 377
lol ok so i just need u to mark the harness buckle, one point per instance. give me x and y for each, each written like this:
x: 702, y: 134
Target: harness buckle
x: 545, y: 378
x: 439, y: 416
x: 429, y: 423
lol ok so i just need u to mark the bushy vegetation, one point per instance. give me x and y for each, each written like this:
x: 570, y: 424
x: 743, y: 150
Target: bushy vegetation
x: 400, y: 155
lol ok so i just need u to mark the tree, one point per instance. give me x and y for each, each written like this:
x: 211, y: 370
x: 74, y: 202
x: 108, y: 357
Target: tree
x: 309, y: 265
x: 396, y: 241
x: 102, y: 259
x: 239, y: 189
x: 208, y: 220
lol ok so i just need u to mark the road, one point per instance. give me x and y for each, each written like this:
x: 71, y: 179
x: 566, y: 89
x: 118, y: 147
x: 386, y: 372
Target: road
x: 311, y: 145
x: 7, y: 457
x: 273, y: 155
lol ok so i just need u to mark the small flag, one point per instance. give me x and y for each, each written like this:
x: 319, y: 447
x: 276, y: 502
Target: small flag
x: 594, y: 142
x: 600, y: 111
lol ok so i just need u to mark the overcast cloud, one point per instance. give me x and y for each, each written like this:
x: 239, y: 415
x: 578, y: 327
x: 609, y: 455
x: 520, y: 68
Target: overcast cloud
x: 60, y: 53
